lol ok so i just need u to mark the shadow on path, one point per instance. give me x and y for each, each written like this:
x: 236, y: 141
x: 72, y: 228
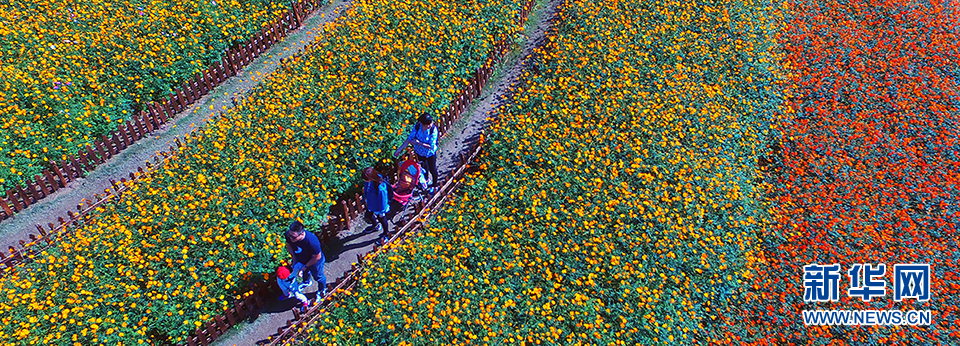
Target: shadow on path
x: 332, y: 248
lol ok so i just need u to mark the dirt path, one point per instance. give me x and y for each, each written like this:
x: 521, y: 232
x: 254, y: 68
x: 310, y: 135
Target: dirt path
x: 505, y: 77
x: 342, y: 253
x: 57, y: 205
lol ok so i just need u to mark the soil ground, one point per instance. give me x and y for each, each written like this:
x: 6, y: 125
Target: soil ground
x: 49, y: 209
x: 342, y: 253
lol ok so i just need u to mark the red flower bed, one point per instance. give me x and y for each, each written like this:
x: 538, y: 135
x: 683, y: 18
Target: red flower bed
x: 868, y: 167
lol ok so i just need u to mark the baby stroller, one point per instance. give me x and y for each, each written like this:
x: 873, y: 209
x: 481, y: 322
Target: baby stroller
x: 411, y: 187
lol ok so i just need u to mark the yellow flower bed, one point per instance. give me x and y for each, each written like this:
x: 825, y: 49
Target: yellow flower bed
x: 179, y: 247
x: 617, y: 203
x: 73, y: 70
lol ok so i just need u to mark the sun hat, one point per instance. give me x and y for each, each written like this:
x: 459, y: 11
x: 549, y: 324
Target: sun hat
x: 283, y: 272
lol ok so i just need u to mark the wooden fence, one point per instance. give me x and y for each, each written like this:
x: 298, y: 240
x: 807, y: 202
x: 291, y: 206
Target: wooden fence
x: 294, y: 328
x: 153, y: 115
x: 350, y: 206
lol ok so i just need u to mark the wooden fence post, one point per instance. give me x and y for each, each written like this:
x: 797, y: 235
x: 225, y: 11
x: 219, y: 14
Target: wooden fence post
x: 212, y: 332
x: 181, y: 100
x: 166, y: 112
x: 23, y: 196
x: 187, y: 94
x: 234, y: 60
x: 77, y: 170
x: 209, y: 80
x: 117, y: 141
x: 6, y: 207
x: 200, y: 85
x: 218, y: 73
x: 85, y: 163
x: 11, y: 196
x: 53, y: 182
x: 55, y: 169
x: 357, y: 206
x: 160, y: 115
x: 91, y: 155
x: 346, y: 214
x: 105, y: 154
x: 43, y: 186
x: 193, y: 89
x: 132, y: 132
x: 140, y: 132
x: 32, y: 188
x: 125, y: 136
x: 226, y: 68
x: 198, y: 91
x: 168, y: 105
x: 150, y: 119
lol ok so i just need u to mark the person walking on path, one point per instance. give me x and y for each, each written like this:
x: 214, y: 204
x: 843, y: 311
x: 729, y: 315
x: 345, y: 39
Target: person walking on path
x: 376, y: 195
x: 304, y: 248
x: 424, y: 140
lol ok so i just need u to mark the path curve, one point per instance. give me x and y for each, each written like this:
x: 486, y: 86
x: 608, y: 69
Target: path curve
x: 49, y: 209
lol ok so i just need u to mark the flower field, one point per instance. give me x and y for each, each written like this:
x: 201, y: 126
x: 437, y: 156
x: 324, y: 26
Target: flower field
x: 617, y: 202
x: 868, y: 169
x: 662, y: 175
x: 179, y: 245
x: 74, y: 70
x: 666, y: 183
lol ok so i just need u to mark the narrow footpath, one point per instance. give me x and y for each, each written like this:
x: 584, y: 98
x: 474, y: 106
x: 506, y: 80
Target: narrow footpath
x: 343, y: 252
x: 49, y: 209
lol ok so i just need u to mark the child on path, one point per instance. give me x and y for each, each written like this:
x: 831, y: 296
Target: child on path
x: 290, y: 286
x: 410, y: 179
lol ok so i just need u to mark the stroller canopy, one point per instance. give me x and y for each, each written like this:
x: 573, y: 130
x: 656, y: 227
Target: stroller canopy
x: 409, y: 176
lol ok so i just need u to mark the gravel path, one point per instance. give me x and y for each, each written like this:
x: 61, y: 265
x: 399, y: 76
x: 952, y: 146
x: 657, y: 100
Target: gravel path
x: 49, y: 209
x: 342, y: 253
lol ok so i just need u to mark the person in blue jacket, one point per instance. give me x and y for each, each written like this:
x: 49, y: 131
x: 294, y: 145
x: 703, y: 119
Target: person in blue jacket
x: 376, y: 195
x: 424, y: 140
